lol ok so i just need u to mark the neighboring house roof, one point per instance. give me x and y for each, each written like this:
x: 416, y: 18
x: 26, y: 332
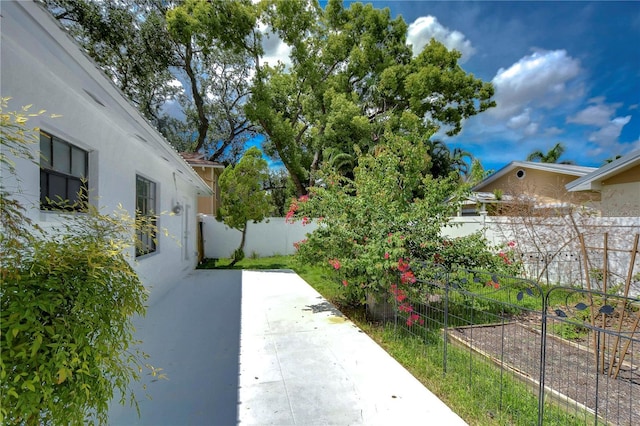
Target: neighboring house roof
x: 197, y: 159
x: 565, y: 169
x: 593, y: 181
x: 100, y: 89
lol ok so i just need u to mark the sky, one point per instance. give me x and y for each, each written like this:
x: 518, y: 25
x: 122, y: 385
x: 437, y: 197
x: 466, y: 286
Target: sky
x: 565, y: 72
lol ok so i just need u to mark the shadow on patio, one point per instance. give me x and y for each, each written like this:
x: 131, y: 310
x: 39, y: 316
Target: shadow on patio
x: 192, y: 332
x: 265, y: 348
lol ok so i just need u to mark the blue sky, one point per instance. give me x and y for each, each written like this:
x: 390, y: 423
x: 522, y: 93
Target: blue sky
x: 564, y: 72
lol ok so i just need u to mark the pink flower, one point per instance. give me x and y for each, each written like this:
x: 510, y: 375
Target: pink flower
x: 386, y: 255
x: 289, y: 217
x: 305, y: 221
x: 405, y: 307
x: 512, y: 244
x: 408, y: 278
x: 335, y: 263
x: 403, y: 266
x: 399, y: 294
x: 413, y: 318
x: 297, y: 245
x: 345, y: 283
x: 505, y: 258
x: 303, y: 198
x: 493, y: 284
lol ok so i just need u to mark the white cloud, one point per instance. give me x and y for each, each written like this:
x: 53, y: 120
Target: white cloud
x: 175, y: 83
x: 531, y: 129
x: 594, y: 115
x: 520, y: 120
x: 423, y: 29
x: 610, y: 132
x: 275, y: 50
x: 601, y: 115
x: 537, y: 80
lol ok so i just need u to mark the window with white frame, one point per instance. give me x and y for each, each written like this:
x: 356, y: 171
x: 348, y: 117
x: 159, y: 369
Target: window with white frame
x: 63, y: 175
x: 145, y: 216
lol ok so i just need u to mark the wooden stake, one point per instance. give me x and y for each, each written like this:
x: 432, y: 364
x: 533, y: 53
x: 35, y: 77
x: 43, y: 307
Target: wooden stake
x: 605, y: 274
x: 627, y: 285
x: 592, y: 316
x: 623, y: 353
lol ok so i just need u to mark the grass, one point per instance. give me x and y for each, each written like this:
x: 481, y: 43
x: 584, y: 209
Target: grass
x: 485, y: 397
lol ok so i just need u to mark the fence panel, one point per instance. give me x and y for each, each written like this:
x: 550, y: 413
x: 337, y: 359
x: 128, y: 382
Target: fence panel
x: 527, y: 354
x: 591, y: 354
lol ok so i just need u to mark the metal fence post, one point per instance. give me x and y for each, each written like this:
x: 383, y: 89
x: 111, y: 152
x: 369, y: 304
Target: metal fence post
x: 543, y: 353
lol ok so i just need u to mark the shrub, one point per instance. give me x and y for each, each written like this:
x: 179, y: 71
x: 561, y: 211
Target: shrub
x: 67, y: 336
x: 67, y: 298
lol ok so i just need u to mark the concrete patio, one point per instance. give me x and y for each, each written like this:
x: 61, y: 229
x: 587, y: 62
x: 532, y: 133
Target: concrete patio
x: 264, y: 348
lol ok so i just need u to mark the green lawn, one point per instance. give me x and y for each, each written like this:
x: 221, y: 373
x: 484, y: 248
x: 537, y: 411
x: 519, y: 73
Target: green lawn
x: 478, y: 403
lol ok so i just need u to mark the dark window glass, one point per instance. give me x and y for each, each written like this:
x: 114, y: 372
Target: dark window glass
x: 145, y: 216
x: 63, y: 171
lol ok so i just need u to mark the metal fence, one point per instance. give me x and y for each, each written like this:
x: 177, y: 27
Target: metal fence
x: 534, y: 355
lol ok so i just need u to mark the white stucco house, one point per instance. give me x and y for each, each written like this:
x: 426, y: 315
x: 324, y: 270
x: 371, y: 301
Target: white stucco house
x: 99, y: 138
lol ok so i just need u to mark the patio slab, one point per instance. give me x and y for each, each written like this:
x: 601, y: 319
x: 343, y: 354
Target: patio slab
x: 264, y: 348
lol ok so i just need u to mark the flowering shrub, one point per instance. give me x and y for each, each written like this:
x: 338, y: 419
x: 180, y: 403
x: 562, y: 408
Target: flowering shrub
x: 388, y: 213
x: 401, y: 295
x: 375, y: 218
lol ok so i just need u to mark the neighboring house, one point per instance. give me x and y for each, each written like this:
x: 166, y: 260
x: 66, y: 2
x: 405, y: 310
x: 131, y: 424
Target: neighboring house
x: 210, y: 172
x: 617, y: 184
x: 526, y: 187
x: 100, y: 145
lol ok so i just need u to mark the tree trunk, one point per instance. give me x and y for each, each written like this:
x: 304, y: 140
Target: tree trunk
x: 236, y: 257
x: 203, y: 122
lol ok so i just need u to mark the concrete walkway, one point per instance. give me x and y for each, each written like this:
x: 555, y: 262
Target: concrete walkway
x: 264, y: 348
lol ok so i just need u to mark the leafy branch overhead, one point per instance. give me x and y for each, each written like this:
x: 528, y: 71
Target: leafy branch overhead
x: 350, y: 78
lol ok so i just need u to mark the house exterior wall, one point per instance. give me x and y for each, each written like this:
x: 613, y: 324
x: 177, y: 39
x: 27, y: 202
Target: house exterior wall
x: 621, y: 199
x: 621, y: 194
x: 43, y: 67
x: 535, y: 182
x: 546, y: 187
x: 209, y: 204
x: 628, y: 176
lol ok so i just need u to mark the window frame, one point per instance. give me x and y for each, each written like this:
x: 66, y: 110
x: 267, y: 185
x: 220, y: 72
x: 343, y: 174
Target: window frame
x: 146, y: 206
x: 63, y: 170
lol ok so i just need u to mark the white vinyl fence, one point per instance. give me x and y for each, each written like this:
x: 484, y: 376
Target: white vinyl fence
x: 268, y: 238
x: 549, y: 247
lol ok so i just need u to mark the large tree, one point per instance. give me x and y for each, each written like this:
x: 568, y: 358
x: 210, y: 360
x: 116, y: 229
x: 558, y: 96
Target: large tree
x: 216, y: 45
x: 195, y: 52
x: 129, y: 41
x: 352, y: 77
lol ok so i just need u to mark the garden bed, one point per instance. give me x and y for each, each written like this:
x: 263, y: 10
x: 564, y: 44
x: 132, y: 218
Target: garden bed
x: 571, y: 376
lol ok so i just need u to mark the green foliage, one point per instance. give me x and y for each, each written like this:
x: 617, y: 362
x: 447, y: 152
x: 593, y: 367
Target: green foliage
x: 216, y: 44
x: 387, y: 212
x: 281, y: 188
x: 66, y: 326
x: 15, y: 143
x: 242, y: 195
x: 129, y: 41
x: 66, y: 302
x: 352, y: 78
x: 551, y: 156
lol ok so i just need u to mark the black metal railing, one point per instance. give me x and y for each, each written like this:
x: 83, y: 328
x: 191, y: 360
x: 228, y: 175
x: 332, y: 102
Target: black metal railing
x: 570, y: 355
